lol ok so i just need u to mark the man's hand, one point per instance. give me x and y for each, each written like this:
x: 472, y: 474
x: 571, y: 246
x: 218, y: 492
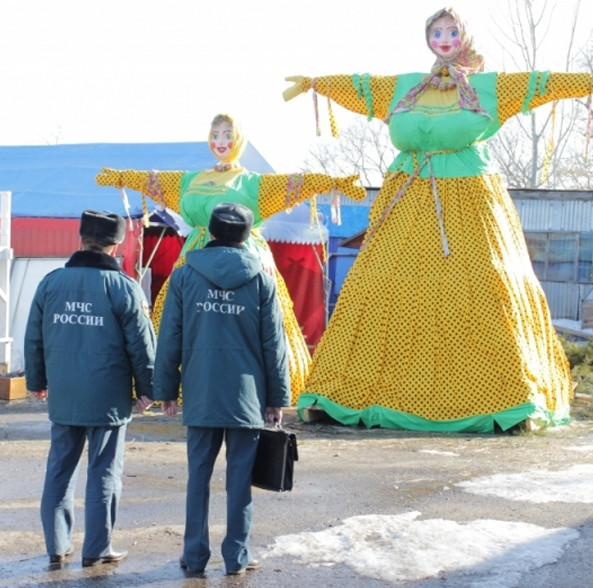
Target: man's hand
x: 143, y: 403
x: 169, y: 407
x: 40, y: 395
x: 273, y: 415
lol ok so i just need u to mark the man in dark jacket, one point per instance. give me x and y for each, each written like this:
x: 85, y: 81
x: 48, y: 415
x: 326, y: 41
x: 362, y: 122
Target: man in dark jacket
x: 88, y: 339
x: 222, y: 326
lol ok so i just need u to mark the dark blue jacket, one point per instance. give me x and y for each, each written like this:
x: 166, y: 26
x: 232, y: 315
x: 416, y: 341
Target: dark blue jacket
x: 221, y: 335
x: 88, y: 337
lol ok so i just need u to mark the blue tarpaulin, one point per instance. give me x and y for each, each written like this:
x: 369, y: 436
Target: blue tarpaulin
x: 59, y: 180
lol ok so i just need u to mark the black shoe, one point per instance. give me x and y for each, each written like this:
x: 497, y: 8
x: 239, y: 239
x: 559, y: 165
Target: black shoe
x: 112, y: 557
x: 254, y: 564
x: 190, y: 571
x: 60, y: 559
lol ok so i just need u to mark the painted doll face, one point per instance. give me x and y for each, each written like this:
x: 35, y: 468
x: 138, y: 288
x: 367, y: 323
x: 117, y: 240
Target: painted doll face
x: 221, y: 141
x: 443, y: 37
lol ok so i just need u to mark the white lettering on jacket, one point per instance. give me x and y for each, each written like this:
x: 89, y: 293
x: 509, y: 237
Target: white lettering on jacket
x: 78, y: 313
x: 226, y: 295
x: 225, y: 305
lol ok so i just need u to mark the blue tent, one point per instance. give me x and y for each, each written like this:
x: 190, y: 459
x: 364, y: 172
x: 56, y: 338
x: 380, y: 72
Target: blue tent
x: 58, y: 181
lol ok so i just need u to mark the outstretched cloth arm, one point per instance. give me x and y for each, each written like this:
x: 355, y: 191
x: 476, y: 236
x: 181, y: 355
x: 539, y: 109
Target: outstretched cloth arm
x: 163, y: 187
x: 280, y: 192
x: 522, y: 92
x: 364, y: 94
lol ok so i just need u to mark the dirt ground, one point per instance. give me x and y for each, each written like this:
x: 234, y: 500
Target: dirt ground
x: 342, y: 472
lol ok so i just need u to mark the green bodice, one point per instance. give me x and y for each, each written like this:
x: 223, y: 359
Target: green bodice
x: 454, y: 137
x: 197, y: 201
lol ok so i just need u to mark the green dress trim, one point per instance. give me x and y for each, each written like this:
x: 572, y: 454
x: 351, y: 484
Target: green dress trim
x: 362, y: 84
x: 531, y: 90
x: 377, y: 416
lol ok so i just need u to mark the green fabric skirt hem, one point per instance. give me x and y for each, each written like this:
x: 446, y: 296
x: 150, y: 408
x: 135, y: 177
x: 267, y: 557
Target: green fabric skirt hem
x: 378, y: 416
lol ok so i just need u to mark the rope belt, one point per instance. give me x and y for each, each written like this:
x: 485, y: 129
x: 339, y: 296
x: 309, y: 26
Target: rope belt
x: 402, y: 190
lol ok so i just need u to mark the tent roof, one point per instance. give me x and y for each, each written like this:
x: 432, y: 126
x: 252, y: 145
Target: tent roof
x: 294, y: 227
x: 59, y: 180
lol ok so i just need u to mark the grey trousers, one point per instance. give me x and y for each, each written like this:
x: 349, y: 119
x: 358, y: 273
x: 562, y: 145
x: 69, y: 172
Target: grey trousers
x: 203, y: 445
x: 103, y: 487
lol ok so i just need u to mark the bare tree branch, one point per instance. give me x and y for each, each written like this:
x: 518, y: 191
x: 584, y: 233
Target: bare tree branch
x: 363, y: 148
x: 526, y: 141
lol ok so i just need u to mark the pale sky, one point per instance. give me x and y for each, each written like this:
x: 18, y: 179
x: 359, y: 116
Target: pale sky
x: 85, y: 71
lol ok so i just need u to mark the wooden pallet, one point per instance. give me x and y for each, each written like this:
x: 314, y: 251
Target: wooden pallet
x: 312, y: 414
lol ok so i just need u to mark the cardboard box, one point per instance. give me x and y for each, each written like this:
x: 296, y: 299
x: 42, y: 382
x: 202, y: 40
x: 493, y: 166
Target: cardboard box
x: 12, y: 388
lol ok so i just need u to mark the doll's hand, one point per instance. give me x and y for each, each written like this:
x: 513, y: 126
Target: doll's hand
x: 109, y: 177
x: 346, y: 186
x: 295, y: 89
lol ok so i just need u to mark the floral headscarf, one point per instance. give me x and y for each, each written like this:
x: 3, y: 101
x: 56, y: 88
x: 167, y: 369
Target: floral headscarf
x: 449, y: 73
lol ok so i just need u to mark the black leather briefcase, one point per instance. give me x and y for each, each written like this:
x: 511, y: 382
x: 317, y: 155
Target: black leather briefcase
x: 274, y: 463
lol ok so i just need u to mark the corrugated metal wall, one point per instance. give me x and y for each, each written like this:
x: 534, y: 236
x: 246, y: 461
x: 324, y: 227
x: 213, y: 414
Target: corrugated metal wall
x: 562, y: 211
x: 564, y: 300
x: 550, y: 210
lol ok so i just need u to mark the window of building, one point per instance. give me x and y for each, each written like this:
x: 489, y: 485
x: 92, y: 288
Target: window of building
x: 561, y: 257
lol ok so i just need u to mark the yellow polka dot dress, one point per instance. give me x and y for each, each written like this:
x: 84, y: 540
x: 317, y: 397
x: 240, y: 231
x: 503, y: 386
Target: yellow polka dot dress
x: 441, y: 324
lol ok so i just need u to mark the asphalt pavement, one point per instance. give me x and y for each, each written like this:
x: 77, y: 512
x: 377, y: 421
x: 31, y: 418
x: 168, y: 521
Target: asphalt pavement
x: 342, y: 472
